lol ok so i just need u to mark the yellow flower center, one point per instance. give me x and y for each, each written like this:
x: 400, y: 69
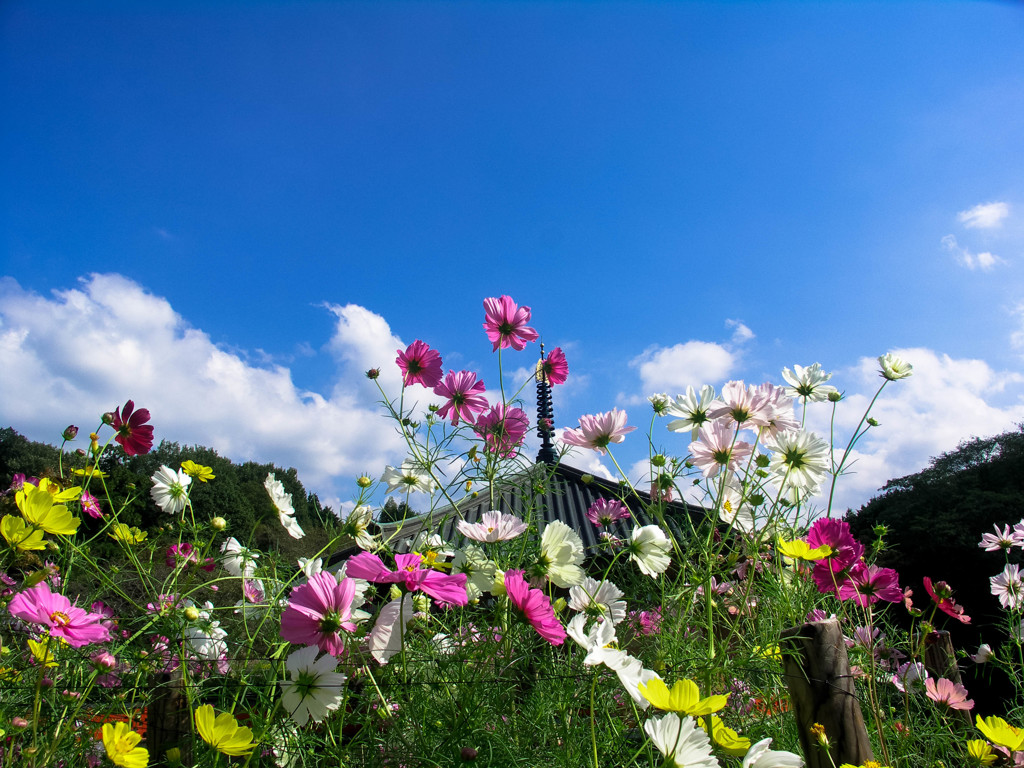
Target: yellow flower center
x: 60, y: 618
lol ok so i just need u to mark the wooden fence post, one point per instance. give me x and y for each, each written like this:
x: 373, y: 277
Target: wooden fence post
x: 169, y: 721
x: 940, y: 661
x: 821, y: 688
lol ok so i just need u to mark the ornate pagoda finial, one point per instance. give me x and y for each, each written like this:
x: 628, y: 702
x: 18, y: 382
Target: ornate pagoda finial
x: 545, y: 414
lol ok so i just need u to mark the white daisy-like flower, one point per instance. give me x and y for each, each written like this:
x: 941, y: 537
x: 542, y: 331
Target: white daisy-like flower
x: 479, y: 571
x: 598, y: 600
x: 1008, y: 587
x: 170, y: 489
x: 760, y: 756
x: 356, y: 525
x: 599, y: 641
x: 681, y: 741
x: 735, y: 510
x: 808, y: 384
x: 310, y: 566
x: 385, y: 639
x: 649, y: 547
x: 408, y: 478
x: 561, y: 552
x: 801, y: 459
x: 283, y: 503
x: 315, y: 688
x: 893, y: 367
x: 493, y: 526
x: 691, y: 409
x: 238, y: 560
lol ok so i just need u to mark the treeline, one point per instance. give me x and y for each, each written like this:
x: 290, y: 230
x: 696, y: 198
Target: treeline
x: 237, y: 493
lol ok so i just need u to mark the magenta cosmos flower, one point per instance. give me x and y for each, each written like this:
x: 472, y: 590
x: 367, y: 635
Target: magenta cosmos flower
x: 604, y: 512
x: 942, y: 595
x: 599, y: 431
x: 68, y: 622
x: 317, y: 611
x: 554, y: 367
x: 493, y: 526
x: 830, y: 573
x: 536, y: 606
x: 446, y: 589
x: 420, y: 365
x: 502, y: 429
x: 465, y: 397
x: 133, y: 433
x: 868, y: 584
x: 506, y: 324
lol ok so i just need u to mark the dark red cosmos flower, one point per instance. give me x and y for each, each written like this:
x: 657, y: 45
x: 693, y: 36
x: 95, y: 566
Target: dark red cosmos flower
x: 942, y: 595
x: 133, y: 433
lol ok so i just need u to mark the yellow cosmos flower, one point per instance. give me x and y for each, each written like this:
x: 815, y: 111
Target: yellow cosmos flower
x: 20, y: 534
x: 122, y: 745
x: 1000, y: 732
x: 37, y: 507
x: 801, y: 550
x: 980, y: 752
x: 131, y: 535
x: 223, y: 732
x: 198, y: 471
x: 683, y: 697
x: 773, y: 652
x: 725, y: 737
x: 52, y: 488
x: 90, y: 471
x: 41, y: 650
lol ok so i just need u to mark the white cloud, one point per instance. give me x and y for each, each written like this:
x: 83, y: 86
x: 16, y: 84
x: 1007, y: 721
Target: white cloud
x: 740, y: 332
x: 70, y: 357
x: 945, y: 402
x: 983, y: 261
x: 1017, y: 336
x: 984, y: 216
x: 671, y: 369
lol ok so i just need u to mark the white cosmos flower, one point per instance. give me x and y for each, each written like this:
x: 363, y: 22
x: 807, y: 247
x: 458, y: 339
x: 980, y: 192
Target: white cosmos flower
x: 493, y: 526
x: 598, y: 642
x: 283, y: 503
x: 893, y: 367
x: 760, y: 756
x: 802, y: 458
x: 315, y: 687
x: 238, y: 560
x: 683, y: 744
x: 561, y: 551
x: 735, y: 510
x: 598, y: 599
x: 311, y: 567
x: 692, y: 409
x: 648, y: 548
x: 808, y: 384
x: 169, y: 489
x: 479, y: 571
x: 408, y: 478
x: 385, y: 639
x: 356, y: 525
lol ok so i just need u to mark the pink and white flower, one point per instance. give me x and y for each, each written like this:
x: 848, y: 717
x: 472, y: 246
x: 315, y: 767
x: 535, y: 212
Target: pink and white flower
x: 74, y: 625
x: 717, y: 448
x: 493, y: 526
x: 943, y: 691
x: 1008, y: 587
x: 599, y: 431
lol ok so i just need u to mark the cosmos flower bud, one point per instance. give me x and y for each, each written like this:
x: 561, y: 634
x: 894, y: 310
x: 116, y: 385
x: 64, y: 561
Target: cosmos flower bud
x: 191, y: 613
x: 873, y: 421
x: 363, y: 481
x: 70, y: 432
x: 468, y: 754
x: 218, y: 523
x: 373, y: 373
x: 835, y: 397
x: 658, y: 460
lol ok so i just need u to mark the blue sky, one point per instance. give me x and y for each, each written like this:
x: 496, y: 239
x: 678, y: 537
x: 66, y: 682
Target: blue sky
x: 227, y: 210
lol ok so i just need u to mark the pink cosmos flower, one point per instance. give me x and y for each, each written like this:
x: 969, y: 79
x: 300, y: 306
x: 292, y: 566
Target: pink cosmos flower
x: 1008, y: 587
x: 317, y: 611
x: 181, y: 553
x: 134, y: 435
x: 1004, y: 538
x: 743, y: 405
x: 716, y: 447
x: 493, y: 526
x: 506, y: 324
x: 446, y: 589
x: 420, y: 365
x: 502, y: 429
x: 536, y: 605
x: 599, y: 431
x: 605, y: 512
x: 554, y: 367
x: 75, y: 625
x: 868, y: 584
x: 943, y: 691
x: 942, y: 595
x: 90, y: 505
x: 465, y: 397
x: 777, y: 411
x: 830, y: 573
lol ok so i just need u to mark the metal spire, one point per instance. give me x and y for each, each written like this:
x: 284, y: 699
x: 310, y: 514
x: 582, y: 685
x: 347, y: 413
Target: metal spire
x: 545, y: 415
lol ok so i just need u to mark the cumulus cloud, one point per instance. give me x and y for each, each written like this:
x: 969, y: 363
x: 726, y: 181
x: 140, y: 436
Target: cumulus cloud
x: 79, y: 352
x: 944, y: 403
x: 740, y: 332
x: 1017, y: 336
x: 983, y: 261
x: 984, y: 216
x: 671, y: 369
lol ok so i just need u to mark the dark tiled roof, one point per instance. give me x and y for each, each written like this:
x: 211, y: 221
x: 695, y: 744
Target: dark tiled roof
x: 539, y: 495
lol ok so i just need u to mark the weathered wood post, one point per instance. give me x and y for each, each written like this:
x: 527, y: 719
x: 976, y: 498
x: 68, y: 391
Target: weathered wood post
x: 821, y: 688
x: 169, y: 722
x: 940, y: 661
